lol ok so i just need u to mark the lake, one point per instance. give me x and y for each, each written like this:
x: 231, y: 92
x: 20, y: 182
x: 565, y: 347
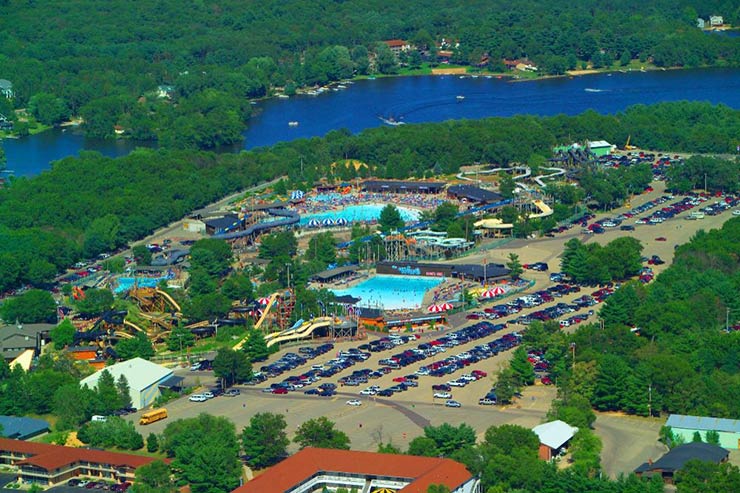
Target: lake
x: 420, y: 99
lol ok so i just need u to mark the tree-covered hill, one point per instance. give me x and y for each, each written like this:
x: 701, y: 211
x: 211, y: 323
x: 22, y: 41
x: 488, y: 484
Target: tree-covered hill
x: 97, y: 58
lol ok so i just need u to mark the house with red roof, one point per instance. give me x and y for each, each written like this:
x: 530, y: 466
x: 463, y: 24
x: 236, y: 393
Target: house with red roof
x: 312, y: 469
x: 48, y: 465
x: 398, y: 45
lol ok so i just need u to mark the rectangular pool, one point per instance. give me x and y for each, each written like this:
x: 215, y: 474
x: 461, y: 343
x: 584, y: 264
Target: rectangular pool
x: 392, y: 292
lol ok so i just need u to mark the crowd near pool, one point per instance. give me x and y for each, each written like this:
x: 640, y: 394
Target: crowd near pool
x: 362, y: 213
x: 126, y: 283
x: 391, y: 292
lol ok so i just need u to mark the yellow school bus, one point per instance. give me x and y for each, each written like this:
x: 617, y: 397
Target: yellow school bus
x: 153, y: 416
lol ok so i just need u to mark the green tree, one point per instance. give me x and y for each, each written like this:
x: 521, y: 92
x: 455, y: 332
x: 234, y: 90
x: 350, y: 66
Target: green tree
x: 320, y: 432
x: 32, y: 307
x: 507, y: 186
x: 212, y: 255
x: 514, y: 266
x: 155, y: 477
x: 712, y: 437
x: 73, y: 405
x: 152, y: 443
x: 448, y: 438
x: 95, y: 301
x: 124, y: 391
x: 137, y: 347
x: 232, y: 366
x: 264, y: 441
x: 521, y: 367
x: 48, y: 109
x: 388, y: 448
x: 255, y: 347
x: 209, y: 306
x: 322, y: 249
x: 107, y: 391
x: 142, y: 255
x: 390, y: 219
x: 180, y: 338
x: 63, y: 334
x: 423, y: 446
x: 238, y: 287
x: 205, y: 451
x: 385, y: 60
x: 438, y: 488
x: 507, y: 384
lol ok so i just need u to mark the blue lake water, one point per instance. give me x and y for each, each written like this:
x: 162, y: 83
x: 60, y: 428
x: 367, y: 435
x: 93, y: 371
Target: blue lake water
x: 353, y: 213
x: 420, y: 99
x: 391, y: 292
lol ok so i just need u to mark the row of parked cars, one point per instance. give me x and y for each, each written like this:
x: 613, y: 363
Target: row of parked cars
x: 291, y: 361
x: 98, y: 485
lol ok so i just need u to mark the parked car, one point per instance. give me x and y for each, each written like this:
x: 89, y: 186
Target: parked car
x: 197, y: 398
x: 452, y: 403
x: 442, y: 395
x: 232, y: 392
x: 354, y: 402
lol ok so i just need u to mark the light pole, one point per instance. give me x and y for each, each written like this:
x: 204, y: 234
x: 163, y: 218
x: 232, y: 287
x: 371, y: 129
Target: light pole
x: 573, y: 351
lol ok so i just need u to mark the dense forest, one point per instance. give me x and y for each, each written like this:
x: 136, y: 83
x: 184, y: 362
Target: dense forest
x: 665, y: 347
x: 90, y: 204
x: 104, y: 61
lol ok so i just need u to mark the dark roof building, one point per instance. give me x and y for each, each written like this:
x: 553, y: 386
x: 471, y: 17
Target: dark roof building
x: 312, y: 469
x: 334, y: 274
x: 475, y: 272
x: 677, y: 458
x: 471, y: 193
x: 22, y: 428
x: 218, y: 225
x: 393, y: 186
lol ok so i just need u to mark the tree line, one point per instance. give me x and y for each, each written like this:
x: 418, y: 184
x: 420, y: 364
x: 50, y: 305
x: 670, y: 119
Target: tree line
x: 90, y: 204
x: 107, y: 69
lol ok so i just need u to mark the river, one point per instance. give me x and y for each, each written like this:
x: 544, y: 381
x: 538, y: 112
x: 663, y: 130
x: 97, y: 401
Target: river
x: 416, y: 100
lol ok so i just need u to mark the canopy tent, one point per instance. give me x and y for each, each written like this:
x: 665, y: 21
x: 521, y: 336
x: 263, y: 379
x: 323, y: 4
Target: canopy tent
x: 313, y: 223
x: 443, y: 307
x: 341, y: 222
x: 296, y: 195
x: 493, y: 292
x: 263, y: 301
x: 328, y: 222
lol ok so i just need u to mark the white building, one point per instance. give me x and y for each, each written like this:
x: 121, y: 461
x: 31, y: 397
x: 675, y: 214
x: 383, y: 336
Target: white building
x: 716, y: 20
x: 553, y: 437
x: 144, y: 379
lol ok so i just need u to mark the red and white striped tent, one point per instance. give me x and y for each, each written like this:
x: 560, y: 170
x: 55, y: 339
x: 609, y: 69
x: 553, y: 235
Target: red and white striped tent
x: 493, y: 292
x: 263, y: 301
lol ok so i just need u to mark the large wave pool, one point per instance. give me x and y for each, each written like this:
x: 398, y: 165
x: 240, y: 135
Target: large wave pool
x: 362, y: 213
x: 391, y: 292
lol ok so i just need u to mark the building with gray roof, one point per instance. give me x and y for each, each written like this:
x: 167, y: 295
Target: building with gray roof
x: 145, y: 379
x: 22, y: 428
x: 677, y: 458
x: 686, y: 426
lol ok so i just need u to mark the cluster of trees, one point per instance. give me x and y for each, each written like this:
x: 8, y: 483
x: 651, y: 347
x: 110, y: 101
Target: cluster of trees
x: 700, y: 172
x: 54, y: 388
x: 114, y: 432
x: 205, y: 450
x: 682, y: 359
x: 126, y: 198
x: 77, y: 68
x: 591, y: 263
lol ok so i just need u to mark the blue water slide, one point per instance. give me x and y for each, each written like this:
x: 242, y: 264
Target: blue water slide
x: 289, y: 218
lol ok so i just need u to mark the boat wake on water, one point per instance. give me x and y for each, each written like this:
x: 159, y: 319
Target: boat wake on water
x: 588, y: 89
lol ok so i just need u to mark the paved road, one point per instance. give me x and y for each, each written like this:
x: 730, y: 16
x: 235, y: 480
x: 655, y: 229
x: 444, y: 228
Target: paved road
x: 628, y: 442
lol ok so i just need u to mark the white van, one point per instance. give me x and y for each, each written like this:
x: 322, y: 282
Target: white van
x: 697, y: 215
x: 99, y: 419
x: 198, y: 398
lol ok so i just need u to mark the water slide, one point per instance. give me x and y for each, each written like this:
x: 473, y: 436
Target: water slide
x: 266, y: 310
x: 166, y: 296
x: 545, y: 209
x: 172, y: 257
x: 133, y: 326
x: 300, y: 330
x: 290, y: 218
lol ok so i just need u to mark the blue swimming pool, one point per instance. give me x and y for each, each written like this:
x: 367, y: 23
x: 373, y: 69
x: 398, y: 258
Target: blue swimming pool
x: 126, y: 283
x: 367, y: 212
x: 391, y: 292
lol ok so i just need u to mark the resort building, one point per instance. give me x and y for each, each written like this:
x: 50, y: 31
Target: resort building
x: 677, y: 458
x: 393, y: 186
x: 225, y: 224
x: 554, y: 436
x: 398, y: 46
x: 313, y: 469
x: 716, y: 20
x: 336, y: 274
x: 686, y: 426
x: 145, y: 379
x: 16, y: 339
x: 474, y: 272
x: 51, y: 464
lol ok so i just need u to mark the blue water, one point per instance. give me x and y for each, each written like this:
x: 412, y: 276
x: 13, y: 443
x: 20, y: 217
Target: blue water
x: 353, y: 213
x: 420, y: 99
x: 391, y: 292
x: 126, y: 283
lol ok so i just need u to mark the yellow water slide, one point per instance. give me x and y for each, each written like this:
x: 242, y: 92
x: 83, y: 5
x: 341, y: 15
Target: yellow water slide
x: 169, y: 299
x: 302, y: 331
x: 133, y: 326
x: 273, y: 298
x: 545, y: 209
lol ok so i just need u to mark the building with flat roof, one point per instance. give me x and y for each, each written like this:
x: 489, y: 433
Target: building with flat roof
x: 22, y: 428
x: 600, y: 148
x: 475, y: 272
x: 686, y: 426
x: 313, y: 469
x: 48, y: 465
x: 677, y: 457
x: 335, y: 274
x: 395, y: 186
x: 144, y: 379
x: 474, y: 194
